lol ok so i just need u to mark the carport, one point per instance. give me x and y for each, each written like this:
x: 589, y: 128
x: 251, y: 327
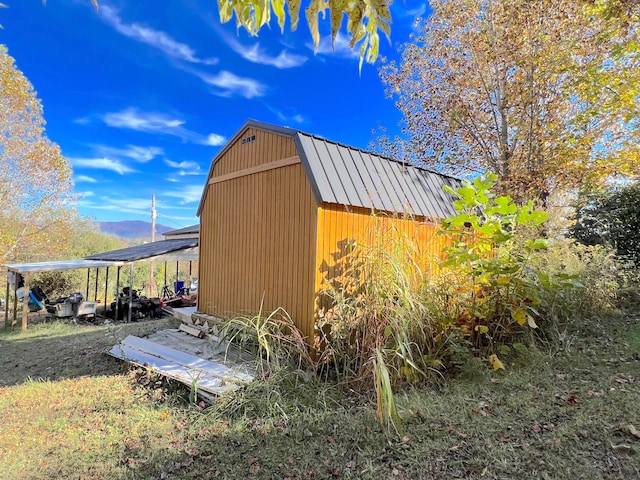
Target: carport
x: 26, y: 269
x: 178, y: 250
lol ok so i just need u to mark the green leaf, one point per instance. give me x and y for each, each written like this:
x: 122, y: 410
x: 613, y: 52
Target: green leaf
x: 537, y: 244
x: 481, y: 329
x: 519, y: 315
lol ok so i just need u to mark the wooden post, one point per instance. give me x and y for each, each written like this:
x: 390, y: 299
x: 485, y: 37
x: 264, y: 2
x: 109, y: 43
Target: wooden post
x: 25, y: 302
x: 177, y: 275
x: 88, y: 276
x: 6, y: 304
x: 15, y: 300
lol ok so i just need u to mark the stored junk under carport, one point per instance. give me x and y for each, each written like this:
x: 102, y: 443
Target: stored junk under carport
x: 182, y: 249
x: 281, y: 207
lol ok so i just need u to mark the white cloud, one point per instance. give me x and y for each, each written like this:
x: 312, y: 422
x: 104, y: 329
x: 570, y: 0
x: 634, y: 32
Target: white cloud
x: 184, y: 164
x: 288, y: 116
x: 152, y: 122
x: 102, y: 164
x: 137, y: 206
x: 85, y: 178
x: 133, y: 119
x: 139, y: 154
x: 214, y: 140
x: 418, y: 11
x: 186, y: 193
x: 86, y: 194
x: 255, y: 54
x: 155, y: 38
x: 231, y: 84
x: 340, y: 47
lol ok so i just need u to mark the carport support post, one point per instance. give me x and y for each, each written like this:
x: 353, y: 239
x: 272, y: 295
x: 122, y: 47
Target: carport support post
x: 130, y: 290
x: 25, y: 302
x: 165, y: 274
x: 95, y: 294
x: 177, y: 279
x: 88, y: 275
x: 106, y: 292
x: 15, y: 300
x: 117, y: 292
x: 6, y: 304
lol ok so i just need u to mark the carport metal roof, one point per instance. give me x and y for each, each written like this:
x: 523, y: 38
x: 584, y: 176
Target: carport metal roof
x: 33, y: 267
x: 179, y: 249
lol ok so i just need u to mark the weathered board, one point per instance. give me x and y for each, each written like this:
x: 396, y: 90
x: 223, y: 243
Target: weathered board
x: 205, y: 375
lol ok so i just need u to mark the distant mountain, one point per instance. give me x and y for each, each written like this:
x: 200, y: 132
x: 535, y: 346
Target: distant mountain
x: 132, y: 229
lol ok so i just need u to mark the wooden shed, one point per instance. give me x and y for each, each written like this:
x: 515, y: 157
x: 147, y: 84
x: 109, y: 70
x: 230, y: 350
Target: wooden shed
x: 278, y: 207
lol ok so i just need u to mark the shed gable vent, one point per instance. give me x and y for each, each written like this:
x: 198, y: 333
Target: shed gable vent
x: 249, y: 139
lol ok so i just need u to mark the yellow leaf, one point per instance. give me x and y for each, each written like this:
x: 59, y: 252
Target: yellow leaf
x: 495, y: 362
x: 481, y: 328
x: 531, y: 322
x: 520, y: 316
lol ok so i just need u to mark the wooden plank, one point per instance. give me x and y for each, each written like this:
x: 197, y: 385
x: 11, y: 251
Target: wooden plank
x: 191, y: 330
x: 285, y: 162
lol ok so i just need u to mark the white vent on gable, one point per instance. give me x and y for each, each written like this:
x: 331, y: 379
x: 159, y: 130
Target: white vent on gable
x: 250, y: 139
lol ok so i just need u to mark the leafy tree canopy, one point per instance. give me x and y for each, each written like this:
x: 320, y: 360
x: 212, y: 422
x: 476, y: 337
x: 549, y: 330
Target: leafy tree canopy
x: 611, y: 218
x: 35, y: 179
x: 543, y: 93
x: 365, y: 19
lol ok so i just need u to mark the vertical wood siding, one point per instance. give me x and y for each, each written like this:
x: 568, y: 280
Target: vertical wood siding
x: 257, y: 235
x: 266, y: 148
x: 340, y: 226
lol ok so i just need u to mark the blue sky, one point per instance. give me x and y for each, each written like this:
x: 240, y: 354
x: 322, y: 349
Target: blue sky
x: 141, y: 95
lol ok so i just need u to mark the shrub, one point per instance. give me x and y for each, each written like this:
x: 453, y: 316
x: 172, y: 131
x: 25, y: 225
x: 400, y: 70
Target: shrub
x: 388, y: 321
x: 611, y: 218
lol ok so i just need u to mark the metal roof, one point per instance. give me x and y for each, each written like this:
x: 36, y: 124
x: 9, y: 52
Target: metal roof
x: 181, y: 231
x: 349, y: 176
x: 148, y: 250
x: 344, y: 175
x: 59, y: 265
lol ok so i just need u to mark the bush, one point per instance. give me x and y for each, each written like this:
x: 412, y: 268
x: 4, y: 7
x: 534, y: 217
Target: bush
x: 387, y: 321
x: 611, y: 218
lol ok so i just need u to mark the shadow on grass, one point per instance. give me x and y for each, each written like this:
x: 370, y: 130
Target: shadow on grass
x: 61, y: 350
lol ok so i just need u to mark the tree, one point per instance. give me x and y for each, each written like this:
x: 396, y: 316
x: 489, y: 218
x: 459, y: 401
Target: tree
x: 35, y: 179
x: 365, y: 18
x: 521, y: 88
x: 611, y: 218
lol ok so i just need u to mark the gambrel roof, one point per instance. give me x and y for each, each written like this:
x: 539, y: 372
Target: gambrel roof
x: 345, y: 175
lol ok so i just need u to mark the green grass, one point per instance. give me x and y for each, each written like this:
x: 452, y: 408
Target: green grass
x: 555, y: 415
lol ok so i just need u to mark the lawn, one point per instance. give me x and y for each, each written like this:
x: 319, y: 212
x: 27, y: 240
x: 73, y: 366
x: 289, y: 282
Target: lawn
x: 67, y: 410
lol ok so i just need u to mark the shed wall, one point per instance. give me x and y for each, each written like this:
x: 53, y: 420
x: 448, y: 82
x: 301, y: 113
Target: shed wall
x: 340, y: 226
x: 257, y: 237
x: 265, y: 148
